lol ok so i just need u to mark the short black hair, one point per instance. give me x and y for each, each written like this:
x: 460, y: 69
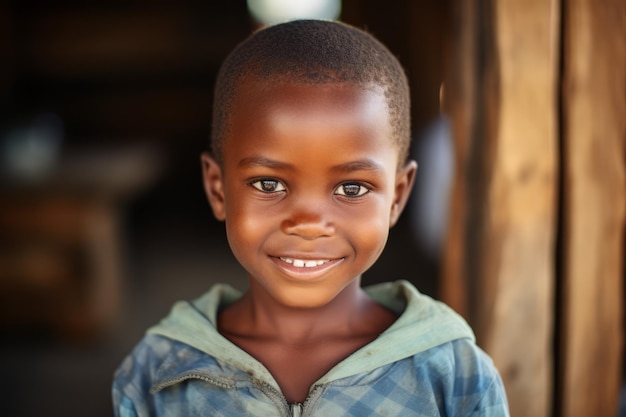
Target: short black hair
x: 312, y: 52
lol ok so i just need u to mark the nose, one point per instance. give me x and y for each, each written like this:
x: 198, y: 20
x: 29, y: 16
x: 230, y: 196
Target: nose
x: 308, y: 220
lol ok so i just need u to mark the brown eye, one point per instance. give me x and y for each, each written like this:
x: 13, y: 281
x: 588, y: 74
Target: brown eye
x: 268, y: 185
x: 352, y: 190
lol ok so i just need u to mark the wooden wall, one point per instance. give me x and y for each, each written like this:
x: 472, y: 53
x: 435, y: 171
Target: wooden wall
x: 535, y: 251
x: 507, y: 176
x: 594, y: 184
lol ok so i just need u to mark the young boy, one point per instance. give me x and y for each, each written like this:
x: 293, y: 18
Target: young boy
x: 309, y: 171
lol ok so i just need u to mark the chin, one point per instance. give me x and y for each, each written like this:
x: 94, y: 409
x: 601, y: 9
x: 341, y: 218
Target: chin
x: 304, y: 299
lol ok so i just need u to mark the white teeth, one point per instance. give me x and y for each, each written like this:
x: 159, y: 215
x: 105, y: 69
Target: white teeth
x: 301, y: 263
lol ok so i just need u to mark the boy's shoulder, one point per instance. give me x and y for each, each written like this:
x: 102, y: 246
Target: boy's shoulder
x: 155, y: 359
x: 167, y: 350
x: 461, y: 362
x: 454, y: 378
x: 158, y: 362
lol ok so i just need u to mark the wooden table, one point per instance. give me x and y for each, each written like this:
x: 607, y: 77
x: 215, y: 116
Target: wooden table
x: 60, y: 241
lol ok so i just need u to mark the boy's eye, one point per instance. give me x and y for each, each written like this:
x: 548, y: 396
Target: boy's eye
x: 268, y: 185
x: 352, y: 190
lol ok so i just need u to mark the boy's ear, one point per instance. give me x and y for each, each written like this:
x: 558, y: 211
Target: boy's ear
x: 404, y: 185
x: 213, y: 180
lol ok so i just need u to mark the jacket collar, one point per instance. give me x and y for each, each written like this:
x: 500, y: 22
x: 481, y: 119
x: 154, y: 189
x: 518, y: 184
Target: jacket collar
x: 423, y: 324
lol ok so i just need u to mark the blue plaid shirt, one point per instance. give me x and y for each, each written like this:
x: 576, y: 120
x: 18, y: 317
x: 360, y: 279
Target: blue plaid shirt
x: 425, y: 364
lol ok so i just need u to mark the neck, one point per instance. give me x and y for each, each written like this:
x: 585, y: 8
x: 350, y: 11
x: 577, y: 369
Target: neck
x: 264, y: 317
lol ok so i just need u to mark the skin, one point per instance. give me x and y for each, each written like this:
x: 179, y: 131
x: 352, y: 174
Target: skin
x: 309, y: 175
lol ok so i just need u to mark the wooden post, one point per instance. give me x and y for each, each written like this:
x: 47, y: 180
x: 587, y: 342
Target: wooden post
x: 594, y: 135
x: 507, y: 180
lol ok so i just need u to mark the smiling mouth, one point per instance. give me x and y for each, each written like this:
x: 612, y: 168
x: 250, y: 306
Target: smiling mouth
x: 304, y: 263
x: 306, y: 269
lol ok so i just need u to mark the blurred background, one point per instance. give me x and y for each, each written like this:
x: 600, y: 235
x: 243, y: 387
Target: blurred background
x: 105, y: 107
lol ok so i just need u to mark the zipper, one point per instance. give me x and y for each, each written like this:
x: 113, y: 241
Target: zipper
x: 192, y: 375
x: 287, y: 410
x: 290, y: 410
x: 296, y: 409
x: 276, y: 396
x: 314, y: 394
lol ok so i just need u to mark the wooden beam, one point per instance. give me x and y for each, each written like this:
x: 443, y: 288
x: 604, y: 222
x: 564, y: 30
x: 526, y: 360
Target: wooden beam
x: 594, y: 128
x: 458, y: 102
x: 508, y: 183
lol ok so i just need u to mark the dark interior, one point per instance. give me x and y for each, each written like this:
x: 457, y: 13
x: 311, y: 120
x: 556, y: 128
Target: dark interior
x: 118, y: 80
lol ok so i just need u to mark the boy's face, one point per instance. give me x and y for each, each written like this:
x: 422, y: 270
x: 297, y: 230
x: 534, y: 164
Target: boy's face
x: 309, y: 186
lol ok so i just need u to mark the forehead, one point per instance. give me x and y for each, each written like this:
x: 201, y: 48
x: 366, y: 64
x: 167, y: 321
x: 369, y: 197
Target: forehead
x: 310, y: 125
x: 279, y: 103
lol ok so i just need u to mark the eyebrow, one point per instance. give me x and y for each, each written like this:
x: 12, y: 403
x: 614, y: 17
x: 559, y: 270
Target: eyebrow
x: 351, y: 166
x: 359, y: 165
x: 261, y: 161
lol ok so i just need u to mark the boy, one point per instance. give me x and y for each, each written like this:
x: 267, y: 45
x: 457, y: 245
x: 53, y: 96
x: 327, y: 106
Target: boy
x: 309, y: 171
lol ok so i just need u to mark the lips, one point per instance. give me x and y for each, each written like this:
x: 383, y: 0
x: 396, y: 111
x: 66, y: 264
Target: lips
x: 304, y: 263
x: 306, y: 268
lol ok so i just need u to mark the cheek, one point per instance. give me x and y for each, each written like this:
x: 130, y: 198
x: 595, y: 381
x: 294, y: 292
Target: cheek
x: 370, y: 228
x: 248, y: 226
x: 243, y: 240
x: 376, y: 235
x: 243, y: 227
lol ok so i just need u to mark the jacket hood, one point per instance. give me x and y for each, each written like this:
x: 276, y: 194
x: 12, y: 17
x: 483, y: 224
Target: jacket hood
x: 423, y: 323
